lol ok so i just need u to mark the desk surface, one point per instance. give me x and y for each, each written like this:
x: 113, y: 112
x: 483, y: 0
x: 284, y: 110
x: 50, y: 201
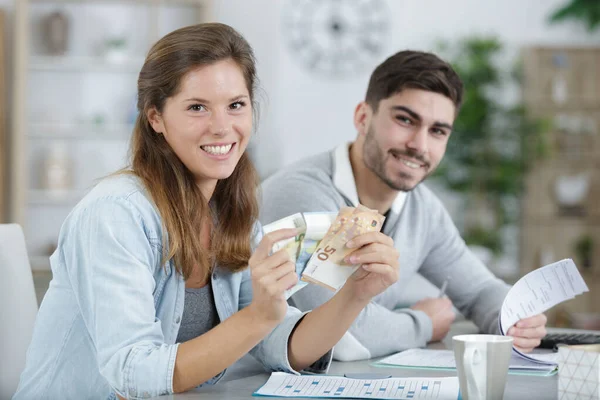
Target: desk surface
x: 247, y: 376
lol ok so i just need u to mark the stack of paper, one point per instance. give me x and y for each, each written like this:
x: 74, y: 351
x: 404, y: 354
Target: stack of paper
x: 537, y: 292
x: 319, y: 248
x: 444, y: 360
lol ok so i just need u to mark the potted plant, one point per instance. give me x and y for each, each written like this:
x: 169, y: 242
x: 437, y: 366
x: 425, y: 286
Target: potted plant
x: 115, y: 49
x: 586, y: 11
x: 492, y: 146
x: 584, y: 247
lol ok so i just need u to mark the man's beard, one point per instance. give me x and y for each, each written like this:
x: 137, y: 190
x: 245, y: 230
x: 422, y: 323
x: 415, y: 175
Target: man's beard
x: 375, y: 160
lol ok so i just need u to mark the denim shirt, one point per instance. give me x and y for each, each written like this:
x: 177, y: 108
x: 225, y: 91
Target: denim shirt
x: 110, y: 318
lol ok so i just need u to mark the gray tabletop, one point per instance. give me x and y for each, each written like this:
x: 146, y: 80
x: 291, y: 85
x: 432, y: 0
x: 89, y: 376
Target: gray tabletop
x: 242, y: 379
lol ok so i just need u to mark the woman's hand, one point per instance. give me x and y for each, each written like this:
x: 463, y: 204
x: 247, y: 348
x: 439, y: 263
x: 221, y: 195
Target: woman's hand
x: 379, y: 264
x: 271, y: 276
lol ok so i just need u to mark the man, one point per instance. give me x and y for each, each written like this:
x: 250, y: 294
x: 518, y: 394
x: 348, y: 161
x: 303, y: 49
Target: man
x: 403, y: 128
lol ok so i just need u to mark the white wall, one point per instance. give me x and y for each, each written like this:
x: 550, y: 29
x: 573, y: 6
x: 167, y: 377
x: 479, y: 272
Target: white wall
x: 309, y: 114
x: 8, y: 7
x: 303, y: 113
x: 258, y: 20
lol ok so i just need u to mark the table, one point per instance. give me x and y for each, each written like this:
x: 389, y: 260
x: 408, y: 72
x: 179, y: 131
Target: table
x: 247, y: 376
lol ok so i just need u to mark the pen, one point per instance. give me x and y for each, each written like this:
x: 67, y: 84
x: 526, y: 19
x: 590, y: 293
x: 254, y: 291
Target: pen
x: 443, y: 288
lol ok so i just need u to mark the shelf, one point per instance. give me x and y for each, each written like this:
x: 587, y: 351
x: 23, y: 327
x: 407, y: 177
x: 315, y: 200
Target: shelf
x: 67, y: 198
x: 141, y: 2
x: 71, y: 100
x: 43, y: 131
x: 561, y: 220
x: 84, y: 64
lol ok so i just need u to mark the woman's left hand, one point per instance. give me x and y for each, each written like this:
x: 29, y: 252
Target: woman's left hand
x: 379, y: 261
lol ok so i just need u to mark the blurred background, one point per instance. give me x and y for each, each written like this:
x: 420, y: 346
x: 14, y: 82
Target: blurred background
x: 520, y: 176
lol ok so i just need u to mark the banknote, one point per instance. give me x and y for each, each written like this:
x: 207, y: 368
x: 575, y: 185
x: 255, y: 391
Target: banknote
x: 338, y: 223
x: 312, y: 227
x: 291, y: 245
x: 326, y: 266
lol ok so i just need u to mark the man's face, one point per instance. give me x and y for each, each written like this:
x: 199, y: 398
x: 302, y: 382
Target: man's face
x: 406, y: 138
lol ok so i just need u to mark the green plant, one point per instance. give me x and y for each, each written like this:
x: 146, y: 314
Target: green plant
x: 116, y: 43
x: 584, y: 247
x: 587, y: 11
x: 490, y: 239
x: 492, y: 145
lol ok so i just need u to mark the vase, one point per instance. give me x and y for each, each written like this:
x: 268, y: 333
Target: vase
x: 56, y: 173
x: 56, y: 33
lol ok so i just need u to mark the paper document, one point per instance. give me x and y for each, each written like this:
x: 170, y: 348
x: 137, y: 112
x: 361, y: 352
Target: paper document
x: 537, y: 292
x: 444, y: 359
x: 287, y: 385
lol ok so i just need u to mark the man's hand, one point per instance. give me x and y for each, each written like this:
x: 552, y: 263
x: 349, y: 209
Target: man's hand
x: 441, y: 313
x: 528, y: 332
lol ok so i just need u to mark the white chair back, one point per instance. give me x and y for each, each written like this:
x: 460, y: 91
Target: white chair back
x: 18, y: 307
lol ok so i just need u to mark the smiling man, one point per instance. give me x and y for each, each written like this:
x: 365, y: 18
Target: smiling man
x: 403, y: 128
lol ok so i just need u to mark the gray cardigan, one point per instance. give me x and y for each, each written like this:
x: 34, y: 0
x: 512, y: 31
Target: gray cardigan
x: 426, y: 238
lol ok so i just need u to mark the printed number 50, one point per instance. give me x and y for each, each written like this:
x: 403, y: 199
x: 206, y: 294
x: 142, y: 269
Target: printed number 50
x: 325, y: 253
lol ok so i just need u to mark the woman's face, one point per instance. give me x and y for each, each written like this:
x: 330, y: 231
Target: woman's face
x: 209, y: 122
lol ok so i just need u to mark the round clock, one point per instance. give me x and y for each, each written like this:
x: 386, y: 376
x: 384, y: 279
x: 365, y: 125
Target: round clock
x: 336, y: 37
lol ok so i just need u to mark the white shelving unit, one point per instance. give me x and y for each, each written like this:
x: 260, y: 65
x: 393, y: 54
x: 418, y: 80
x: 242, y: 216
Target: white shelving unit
x: 72, y: 64
x: 81, y: 131
x: 3, y: 141
x: 82, y: 101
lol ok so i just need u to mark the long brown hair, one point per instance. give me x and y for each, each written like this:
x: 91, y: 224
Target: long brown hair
x: 233, y: 208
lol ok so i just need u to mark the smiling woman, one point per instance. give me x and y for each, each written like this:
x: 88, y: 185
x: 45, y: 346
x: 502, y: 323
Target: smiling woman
x: 208, y: 135
x: 162, y: 278
x: 190, y: 126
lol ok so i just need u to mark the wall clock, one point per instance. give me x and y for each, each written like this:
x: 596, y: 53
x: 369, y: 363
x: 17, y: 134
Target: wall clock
x: 336, y: 38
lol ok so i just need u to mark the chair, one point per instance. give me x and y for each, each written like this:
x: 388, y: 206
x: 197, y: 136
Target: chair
x: 18, y: 307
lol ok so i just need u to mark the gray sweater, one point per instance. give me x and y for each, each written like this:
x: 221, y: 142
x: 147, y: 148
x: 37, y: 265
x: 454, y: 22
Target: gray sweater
x: 423, y: 233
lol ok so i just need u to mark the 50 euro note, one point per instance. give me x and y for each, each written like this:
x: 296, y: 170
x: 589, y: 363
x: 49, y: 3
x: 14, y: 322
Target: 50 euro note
x: 326, y: 266
x: 312, y: 227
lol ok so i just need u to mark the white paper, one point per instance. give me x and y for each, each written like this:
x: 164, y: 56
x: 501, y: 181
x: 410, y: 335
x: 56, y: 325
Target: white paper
x: 538, y: 291
x: 541, y: 290
x: 430, y: 358
x: 287, y: 385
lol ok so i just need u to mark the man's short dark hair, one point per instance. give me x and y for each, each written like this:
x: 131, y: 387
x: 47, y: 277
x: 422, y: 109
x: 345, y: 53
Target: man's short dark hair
x: 414, y: 70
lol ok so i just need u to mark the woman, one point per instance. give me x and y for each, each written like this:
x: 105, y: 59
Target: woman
x: 155, y: 289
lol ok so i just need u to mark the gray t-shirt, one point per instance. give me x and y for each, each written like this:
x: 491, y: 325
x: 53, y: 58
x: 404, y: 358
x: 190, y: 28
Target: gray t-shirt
x: 199, y: 313
x: 423, y: 233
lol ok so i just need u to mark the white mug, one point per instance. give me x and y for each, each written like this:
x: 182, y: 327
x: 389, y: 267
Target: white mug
x: 482, y: 363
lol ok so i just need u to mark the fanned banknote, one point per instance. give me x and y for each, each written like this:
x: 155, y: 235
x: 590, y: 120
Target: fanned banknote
x: 312, y: 227
x: 291, y: 245
x: 319, y: 248
x: 326, y: 266
x: 338, y: 223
